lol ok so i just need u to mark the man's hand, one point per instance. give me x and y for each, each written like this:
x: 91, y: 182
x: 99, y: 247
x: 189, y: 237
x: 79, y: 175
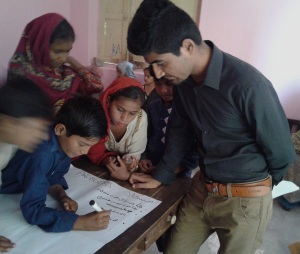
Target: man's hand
x: 5, y: 244
x: 141, y: 180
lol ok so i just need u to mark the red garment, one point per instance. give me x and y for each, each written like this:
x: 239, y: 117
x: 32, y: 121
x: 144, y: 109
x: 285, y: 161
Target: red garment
x: 98, y: 152
x: 31, y: 59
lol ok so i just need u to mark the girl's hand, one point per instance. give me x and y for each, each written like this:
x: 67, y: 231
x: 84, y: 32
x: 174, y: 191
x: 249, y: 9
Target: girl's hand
x: 131, y: 164
x: 69, y: 204
x: 118, y: 168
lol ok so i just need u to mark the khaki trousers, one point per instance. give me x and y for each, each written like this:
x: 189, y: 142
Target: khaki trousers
x: 240, y: 223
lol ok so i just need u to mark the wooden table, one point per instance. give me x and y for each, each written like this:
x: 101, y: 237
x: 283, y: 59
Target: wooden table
x: 147, y: 230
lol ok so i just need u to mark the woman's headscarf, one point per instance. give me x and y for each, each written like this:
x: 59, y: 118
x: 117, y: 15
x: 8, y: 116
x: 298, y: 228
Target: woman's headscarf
x: 97, y: 153
x: 31, y: 59
x: 126, y: 68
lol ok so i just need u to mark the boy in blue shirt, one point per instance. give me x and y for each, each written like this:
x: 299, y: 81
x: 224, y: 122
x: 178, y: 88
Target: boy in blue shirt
x: 79, y: 124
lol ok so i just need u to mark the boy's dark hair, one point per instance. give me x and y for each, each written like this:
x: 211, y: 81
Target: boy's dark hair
x: 83, y: 116
x: 63, y: 32
x: 131, y: 92
x: 20, y: 97
x: 160, y: 26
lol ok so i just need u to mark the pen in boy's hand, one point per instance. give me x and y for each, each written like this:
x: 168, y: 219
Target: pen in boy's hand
x: 95, y: 206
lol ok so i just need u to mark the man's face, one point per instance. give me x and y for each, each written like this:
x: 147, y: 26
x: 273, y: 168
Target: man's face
x: 173, y: 68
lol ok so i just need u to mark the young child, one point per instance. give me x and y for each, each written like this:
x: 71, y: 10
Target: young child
x: 160, y: 114
x: 125, y: 69
x: 42, y: 55
x: 25, y: 115
x: 149, y: 86
x: 122, y: 102
x: 79, y: 124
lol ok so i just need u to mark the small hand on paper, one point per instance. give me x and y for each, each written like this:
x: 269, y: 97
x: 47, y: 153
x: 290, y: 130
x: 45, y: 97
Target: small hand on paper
x: 92, y: 221
x: 68, y: 204
x: 141, y: 180
x: 5, y: 244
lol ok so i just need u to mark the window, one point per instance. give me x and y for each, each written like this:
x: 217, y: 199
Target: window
x: 114, y: 18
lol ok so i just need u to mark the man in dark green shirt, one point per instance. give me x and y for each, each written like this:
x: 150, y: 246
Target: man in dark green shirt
x: 242, y: 131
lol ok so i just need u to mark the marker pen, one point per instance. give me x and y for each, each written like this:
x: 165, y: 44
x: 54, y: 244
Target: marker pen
x: 95, y: 206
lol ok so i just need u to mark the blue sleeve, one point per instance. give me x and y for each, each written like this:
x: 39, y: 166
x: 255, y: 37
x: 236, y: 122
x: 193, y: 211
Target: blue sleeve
x: 42, y: 172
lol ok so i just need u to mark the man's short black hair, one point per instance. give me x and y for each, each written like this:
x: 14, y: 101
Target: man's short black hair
x: 160, y: 26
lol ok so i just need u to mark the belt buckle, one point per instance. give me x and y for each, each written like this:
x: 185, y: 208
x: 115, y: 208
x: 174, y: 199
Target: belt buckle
x: 215, y: 189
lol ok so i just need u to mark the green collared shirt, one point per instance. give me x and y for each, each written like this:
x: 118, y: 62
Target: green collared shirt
x: 242, y: 131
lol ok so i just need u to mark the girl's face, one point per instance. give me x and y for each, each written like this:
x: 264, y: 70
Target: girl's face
x: 59, y: 51
x: 123, y: 110
x: 147, y: 77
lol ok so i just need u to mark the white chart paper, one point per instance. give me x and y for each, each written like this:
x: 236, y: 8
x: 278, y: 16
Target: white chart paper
x: 127, y: 207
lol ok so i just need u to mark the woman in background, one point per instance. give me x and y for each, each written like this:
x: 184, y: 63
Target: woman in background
x: 149, y: 86
x: 42, y: 55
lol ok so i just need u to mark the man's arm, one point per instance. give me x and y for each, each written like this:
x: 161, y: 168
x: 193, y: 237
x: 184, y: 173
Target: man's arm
x: 267, y: 119
x: 179, y: 141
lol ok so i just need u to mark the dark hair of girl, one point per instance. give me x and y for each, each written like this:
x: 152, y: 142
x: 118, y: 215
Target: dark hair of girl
x: 63, y: 32
x: 131, y: 92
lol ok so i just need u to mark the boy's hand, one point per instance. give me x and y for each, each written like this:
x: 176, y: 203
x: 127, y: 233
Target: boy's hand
x: 146, y: 166
x: 92, y: 221
x: 57, y: 192
x: 5, y: 244
x: 69, y: 204
x: 141, y: 180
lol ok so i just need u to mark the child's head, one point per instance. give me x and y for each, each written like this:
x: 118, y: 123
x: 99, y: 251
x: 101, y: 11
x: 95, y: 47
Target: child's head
x: 148, y: 78
x: 122, y: 100
x: 61, y: 43
x: 80, y: 124
x: 125, y: 104
x: 125, y: 69
x: 25, y: 113
x: 164, y: 88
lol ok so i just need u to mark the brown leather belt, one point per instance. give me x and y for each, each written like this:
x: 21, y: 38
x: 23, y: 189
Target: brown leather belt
x: 244, y: 190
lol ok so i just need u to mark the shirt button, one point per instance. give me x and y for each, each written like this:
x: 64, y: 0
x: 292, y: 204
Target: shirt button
x: 205, y: 132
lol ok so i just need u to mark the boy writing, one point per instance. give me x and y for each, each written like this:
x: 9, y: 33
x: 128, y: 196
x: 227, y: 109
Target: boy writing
x: 79, y: 124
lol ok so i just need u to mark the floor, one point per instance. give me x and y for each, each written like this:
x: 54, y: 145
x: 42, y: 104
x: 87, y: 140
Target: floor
x: 283, y: 230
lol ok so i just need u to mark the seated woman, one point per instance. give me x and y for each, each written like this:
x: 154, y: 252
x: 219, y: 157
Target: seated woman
x: 42, y: 55
x: 149, y: 86
x: 122, y: 102
x: 125, y: 69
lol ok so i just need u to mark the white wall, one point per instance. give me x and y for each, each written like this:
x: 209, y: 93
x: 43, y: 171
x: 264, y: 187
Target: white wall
x: 266, y: 34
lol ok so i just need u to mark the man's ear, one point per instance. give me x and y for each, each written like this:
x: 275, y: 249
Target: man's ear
x: 60, y: 129
x: 187, y: 46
